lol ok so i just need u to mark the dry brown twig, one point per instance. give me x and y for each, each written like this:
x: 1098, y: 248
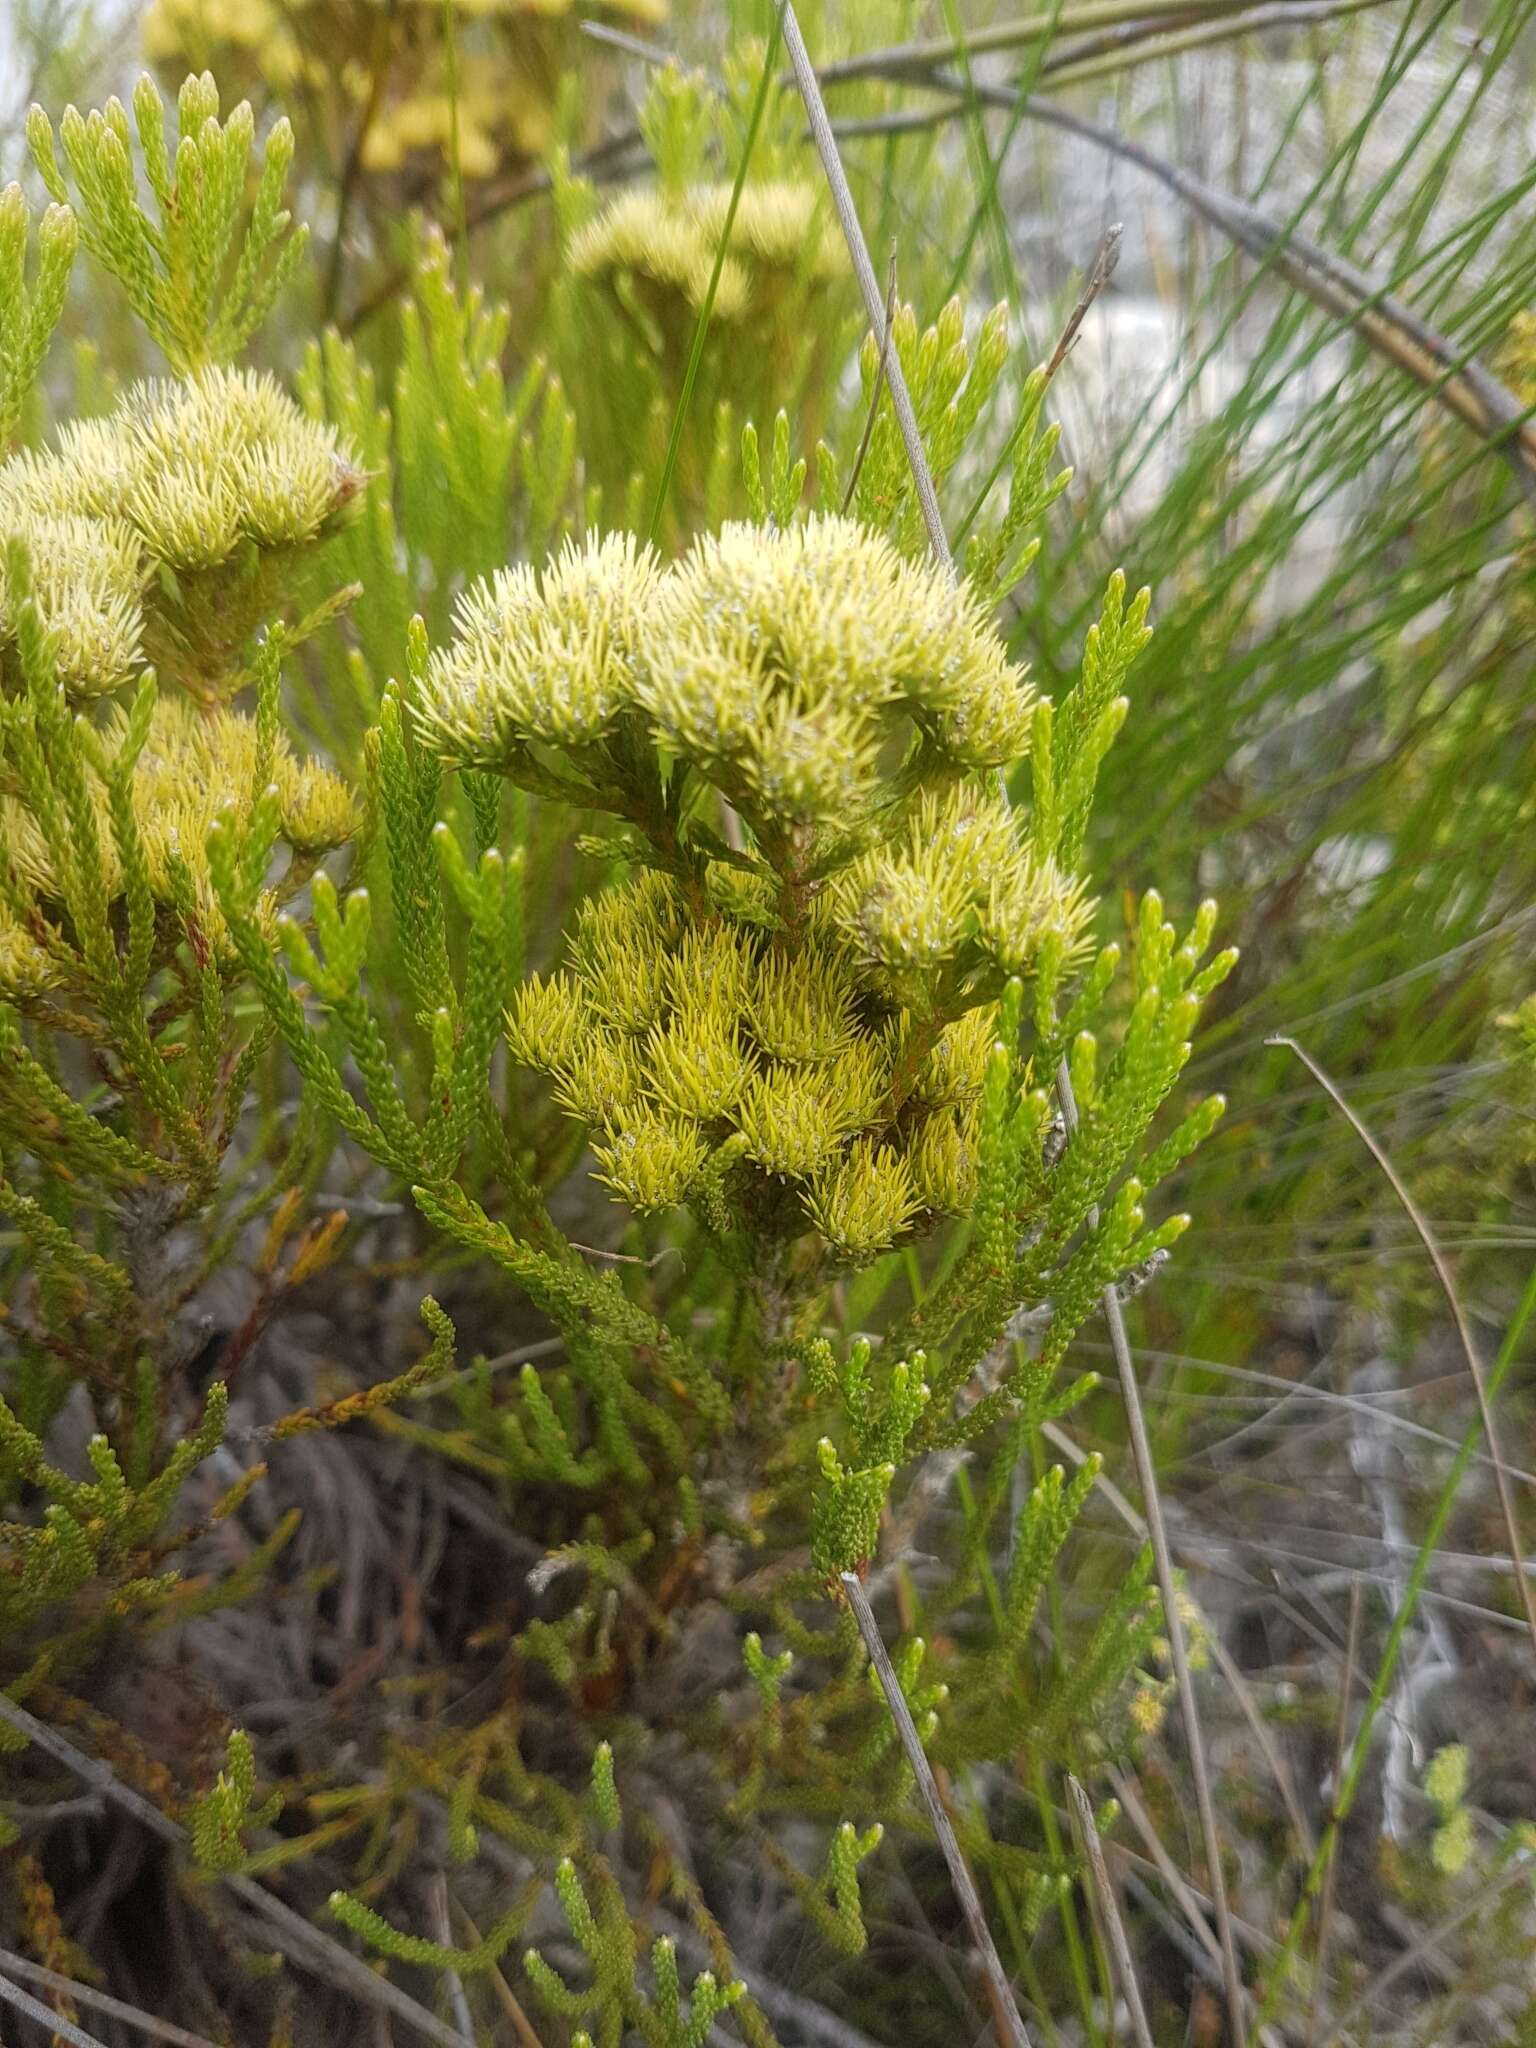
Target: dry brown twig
x: 100, y: 2001
x: 1173, y: 1620
x: 905, y: 61
x: 1105, y: 259
x: 1107, y: 1908
x: 1152, y: 40
x: 302, y: 1942
x: 1005, y: 2009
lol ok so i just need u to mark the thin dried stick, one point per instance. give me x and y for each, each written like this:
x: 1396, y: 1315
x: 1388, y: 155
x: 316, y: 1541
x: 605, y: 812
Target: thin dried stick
x: 60, y: 2028
x: 1182, y: 1892
x: 1100, y: 271
x: 1148, y: 42
x: 98, y: 2001
x: 864, y: 272
x: 1110, y: 1921
x: 654, y: 54
x: 1178, y: 1650
x: 1004, y: 2007
x: 442, y: 1933
x: 1221, y: 1656
x: 522, y: 2026
x: 1340, y: 1753
x: 296, y: 1937
x: 905, y: 59
x: 1443, y: 1274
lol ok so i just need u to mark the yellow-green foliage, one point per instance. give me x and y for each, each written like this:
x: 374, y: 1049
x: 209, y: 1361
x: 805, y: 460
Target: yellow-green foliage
x: 102, y: 1527
x: 640, y: 268
x: 28, y: 313
x: 219, y: 1818
x: 204, y: 478
x: 1445, y: 1787
x: 204, y: 273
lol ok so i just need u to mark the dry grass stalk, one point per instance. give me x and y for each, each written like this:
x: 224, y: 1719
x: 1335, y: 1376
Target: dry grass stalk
x: 12, y: 1965
x: 864, y: 272
x: 1173, y: 1621
x: 1005, y: 2011
x: 1437, y: 1259
x: 1107, y: 1909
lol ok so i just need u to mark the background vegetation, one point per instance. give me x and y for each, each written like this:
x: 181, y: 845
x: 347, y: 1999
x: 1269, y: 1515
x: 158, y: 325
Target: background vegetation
x: 421, y: 1608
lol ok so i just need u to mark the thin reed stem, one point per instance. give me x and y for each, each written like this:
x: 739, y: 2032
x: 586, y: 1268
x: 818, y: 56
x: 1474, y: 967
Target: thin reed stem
x: 1178, y: 1649
x: 1110, y: 1919
x: 1443, y: 1275
x: 864, y: 272
x: 1004, y: 2006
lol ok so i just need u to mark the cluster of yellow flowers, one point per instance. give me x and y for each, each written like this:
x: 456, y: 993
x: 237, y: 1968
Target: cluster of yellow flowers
x: 663, y: 245
x: 797, y: 1028
x: 195, y: 766
x: 390, y: 60
x: 702, y: 1053
x: 780, y: 664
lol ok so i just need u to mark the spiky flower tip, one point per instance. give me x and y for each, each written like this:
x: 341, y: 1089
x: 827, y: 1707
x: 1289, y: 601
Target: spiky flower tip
x: 28, y: 969
x: 541, y: 661
x: 183, y: 475
x: 88, y: 578
x: 665, y: 244
x: 703, y: 1053
x: 784, y: 667
x: 193, y: 767
x: 825, y: 630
